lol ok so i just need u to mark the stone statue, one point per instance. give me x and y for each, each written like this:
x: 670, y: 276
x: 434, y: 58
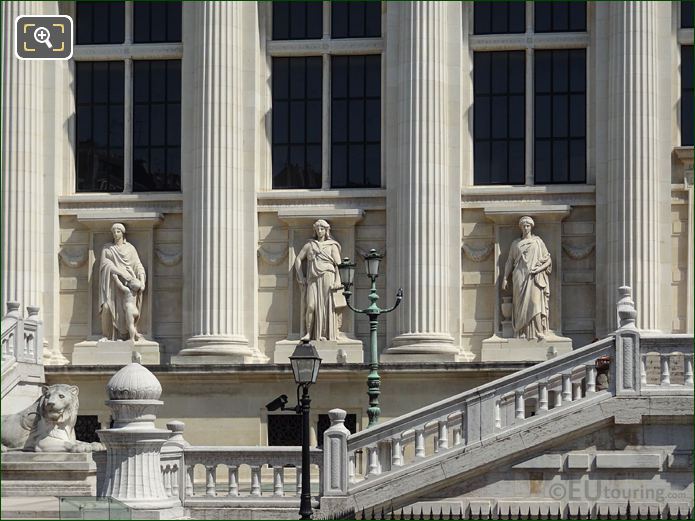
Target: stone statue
x: 121, y: 287
x: 530, y: 264
x: 47, y: 425
x: 321, y: 288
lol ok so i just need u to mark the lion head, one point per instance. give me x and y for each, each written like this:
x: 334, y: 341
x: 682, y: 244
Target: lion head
x: 59, y: 404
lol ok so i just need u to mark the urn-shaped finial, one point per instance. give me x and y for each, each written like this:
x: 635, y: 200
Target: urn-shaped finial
x: 134, y: 397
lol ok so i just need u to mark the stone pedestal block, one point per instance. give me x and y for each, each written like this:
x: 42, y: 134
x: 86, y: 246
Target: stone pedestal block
x: 33, y: 474
x: 496, y: 349
x: 114, y: 352
x: 341, y: 351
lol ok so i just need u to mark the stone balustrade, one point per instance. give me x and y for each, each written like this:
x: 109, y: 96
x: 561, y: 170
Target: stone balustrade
x: 21, y: 338
x: 476, y: 414
x: 666, y: 364
x: 222, y: 467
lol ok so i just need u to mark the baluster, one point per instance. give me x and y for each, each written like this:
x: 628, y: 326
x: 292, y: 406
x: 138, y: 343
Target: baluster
x: 166, y: 475
x: 233, y: 480
x: 591, y: 378
x: 189, y: 480
x: 373, y: 461
x: 665, y: 368
x: 576, y: 391
x: 396, y: 452
x: 210, y: 480
x: 643, y: 368
x: 298, y: 480
x: 458, y: 438
x: 443, y: 434
x: 566, y: 388
x: 519, y: 408
x: 420, y: 443
x: 175, y: 481
x: 278, y: 481
x: 498, y: 415
x: 688, y: 373
x: 351, y: 468
x: 542, y: 396
x: 255, y: 480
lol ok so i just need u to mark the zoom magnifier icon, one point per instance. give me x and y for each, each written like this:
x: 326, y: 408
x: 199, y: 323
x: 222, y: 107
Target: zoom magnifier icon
x: 43, y: 35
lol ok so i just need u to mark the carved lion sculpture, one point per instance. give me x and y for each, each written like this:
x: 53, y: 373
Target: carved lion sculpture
x: 47, y: 425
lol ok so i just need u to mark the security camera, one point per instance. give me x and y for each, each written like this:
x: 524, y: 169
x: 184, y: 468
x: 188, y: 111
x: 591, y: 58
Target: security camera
x: 277, y: 403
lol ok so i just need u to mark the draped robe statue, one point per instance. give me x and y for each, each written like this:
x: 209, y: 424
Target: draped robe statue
x: 121, y: 287
x: 322, y: 290
x: 529, y: 264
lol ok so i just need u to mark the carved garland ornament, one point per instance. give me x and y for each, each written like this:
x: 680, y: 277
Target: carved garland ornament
x: 168, y: 259
x: 578, y: 252
x: 478, y: 254
x: 72, y: 261
x: 272, y: 258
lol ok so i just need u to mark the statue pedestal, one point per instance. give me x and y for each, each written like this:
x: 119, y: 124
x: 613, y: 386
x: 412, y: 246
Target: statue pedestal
x: 34, y: 474
x: 115, y: 352
x: 498, y: 349
x: 341, y: 351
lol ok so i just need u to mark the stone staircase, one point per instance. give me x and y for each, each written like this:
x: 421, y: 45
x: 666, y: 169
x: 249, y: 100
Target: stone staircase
x: 495, y: 428
x: 22, y: 358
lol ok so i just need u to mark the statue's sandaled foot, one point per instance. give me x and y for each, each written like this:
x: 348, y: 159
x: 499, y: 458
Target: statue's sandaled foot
x: 306, y: 337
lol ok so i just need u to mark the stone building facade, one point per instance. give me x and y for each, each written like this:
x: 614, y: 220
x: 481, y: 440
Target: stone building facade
x: 423, y: 130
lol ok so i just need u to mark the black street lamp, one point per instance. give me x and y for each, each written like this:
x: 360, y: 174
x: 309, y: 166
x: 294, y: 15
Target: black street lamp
x: 305, y: 363
x: 347, y: 277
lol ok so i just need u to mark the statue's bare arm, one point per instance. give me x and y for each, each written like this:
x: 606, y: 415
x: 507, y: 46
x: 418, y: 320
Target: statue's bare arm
x: 298, y: 264
x: 507, y: 269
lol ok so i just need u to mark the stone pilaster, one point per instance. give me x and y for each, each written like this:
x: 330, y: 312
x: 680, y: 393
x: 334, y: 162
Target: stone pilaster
x: 219, y: 197
x: 637, y: 190
x: 422, y: 214
x: 22, y: 168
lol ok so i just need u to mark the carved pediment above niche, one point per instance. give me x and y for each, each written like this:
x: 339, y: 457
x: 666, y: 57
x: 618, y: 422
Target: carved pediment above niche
x: 306, y: 216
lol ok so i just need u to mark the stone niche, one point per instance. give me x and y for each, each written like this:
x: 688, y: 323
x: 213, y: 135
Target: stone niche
x: 140, y: 233
x: 502, y: 346
x: 346, y: 349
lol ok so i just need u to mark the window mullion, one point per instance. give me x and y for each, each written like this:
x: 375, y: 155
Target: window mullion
x: 128, y: 23
x: 326, y: 122
x: 128, y: 127
x: 529, y: 102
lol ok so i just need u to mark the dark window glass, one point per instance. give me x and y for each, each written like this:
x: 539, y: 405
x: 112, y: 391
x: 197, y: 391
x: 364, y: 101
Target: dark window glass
x: 284, y: 430
x: 687, y: 14
x: 356, y: 121
x: 687, y: 95
x: 498, y: 117
x: 355, y: 19
x: 100, y: 22
x: 86, y: 427
x: 559, y: 16
x: 325, y: 422
x: 560, y: 116
x: 499, y: 17
x: 99, y: 124
x: 297, y: 122
x: 156, y: 125
x: 156, y: 22
x: 297, y: 20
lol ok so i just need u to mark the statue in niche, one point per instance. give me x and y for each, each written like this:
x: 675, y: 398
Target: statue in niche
x: 121, y: 287
x: 530, y: 265
x: 322, y: 295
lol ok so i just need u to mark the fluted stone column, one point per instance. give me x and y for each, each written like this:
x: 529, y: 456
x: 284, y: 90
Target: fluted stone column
x: 22, y: 168
x: 637, y: 198
x: 219, y: 197
x: 422, y: 189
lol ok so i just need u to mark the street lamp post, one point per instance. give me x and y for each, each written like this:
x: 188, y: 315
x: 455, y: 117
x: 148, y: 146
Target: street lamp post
x: 305, y: 364
x: 347, y: 275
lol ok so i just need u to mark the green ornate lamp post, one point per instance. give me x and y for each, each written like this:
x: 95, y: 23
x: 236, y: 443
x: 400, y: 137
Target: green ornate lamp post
x: 347, y: 275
